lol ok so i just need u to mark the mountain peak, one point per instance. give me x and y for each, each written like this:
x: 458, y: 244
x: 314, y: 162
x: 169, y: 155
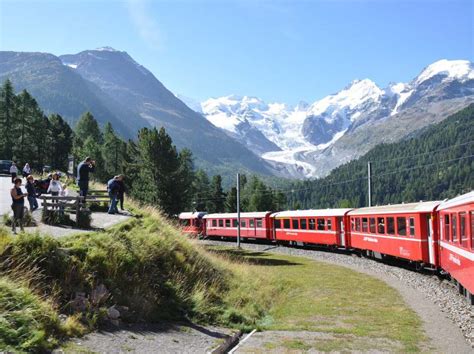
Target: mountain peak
x: 452, y: 69
x: 107, y: 49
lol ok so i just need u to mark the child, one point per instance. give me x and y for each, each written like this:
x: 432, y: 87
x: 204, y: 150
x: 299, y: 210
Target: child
x: 30, y: 188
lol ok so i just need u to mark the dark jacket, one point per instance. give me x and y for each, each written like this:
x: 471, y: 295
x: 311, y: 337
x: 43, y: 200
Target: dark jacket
x: 83, y: 171
x: 113, y: 186
x: 30, y: 188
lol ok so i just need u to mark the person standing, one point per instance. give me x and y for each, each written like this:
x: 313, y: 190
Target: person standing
x: 113, y: 187
x: 30, y: 188
x: 13, y: 171
x: 83, y: 169
x: 18, y: 204
x: 26, y: 170
x: 55, y: 186
x: 121, y: 192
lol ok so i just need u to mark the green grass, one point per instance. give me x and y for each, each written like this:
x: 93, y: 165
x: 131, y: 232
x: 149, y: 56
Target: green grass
x: 149, y: 266
x: 296, y: 294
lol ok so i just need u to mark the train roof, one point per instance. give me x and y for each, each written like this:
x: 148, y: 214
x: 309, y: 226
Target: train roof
x: 192, y: 215
x: 420, y: 207
x: 311, y: 212
x: 258, y: 214
x: 459, y: 200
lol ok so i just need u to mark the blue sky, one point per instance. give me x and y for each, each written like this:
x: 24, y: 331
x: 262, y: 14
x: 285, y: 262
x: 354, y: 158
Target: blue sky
x: 282, y: 51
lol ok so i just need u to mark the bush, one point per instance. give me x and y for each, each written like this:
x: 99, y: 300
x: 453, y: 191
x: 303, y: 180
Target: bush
x: 27, y: 219
x: 28, y: 322
x: 55, y: 217
x: 84, y: 219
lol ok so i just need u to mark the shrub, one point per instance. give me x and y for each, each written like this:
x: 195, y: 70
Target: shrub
x: 29, y: 323
x: 84, y: 219
x: 27, y: 219
x: 55, y: 217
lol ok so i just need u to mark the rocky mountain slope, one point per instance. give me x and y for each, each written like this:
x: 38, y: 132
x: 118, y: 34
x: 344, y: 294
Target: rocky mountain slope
x: 313, y: 139
x: 114, y: 87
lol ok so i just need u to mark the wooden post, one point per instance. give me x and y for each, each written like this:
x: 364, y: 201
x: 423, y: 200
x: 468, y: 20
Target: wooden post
x: 78, y: 205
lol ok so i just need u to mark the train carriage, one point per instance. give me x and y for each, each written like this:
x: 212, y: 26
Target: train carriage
x: 192, y: 223
x: 456, y: 244
x: 407, y: 231
x: 256, y: 225
x: 321, y: 227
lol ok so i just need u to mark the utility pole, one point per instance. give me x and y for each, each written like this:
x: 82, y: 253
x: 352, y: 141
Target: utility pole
x: 369, y: 181
x: 238, y: 210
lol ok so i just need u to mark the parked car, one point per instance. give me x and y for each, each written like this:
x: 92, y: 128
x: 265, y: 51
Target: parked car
x: 5, y: 166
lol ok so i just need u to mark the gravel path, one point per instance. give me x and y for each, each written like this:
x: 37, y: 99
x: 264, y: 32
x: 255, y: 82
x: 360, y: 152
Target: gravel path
x: 149, y: 338
x: 447, y: 317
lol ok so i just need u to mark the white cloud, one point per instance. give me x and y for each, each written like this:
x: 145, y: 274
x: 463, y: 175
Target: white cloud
x: 146, y: 26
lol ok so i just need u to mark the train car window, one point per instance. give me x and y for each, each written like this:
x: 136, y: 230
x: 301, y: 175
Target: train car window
x: 251, y: 223
x: 259, y: 222
x: 286, y: 223
x: 329, y: 224
x: 243, y: 223
x: 372, y: 225
x: 357, y: 224
x: 447, y: 227
x: 320, y: 224
x: 412, y: 226
x: 353, y: 224
x: 221, y: 223
x: 365, y: 225
x: 391, y: 226
x: 214, y: 223
x: 312, y: 224
x: 277, y: 224
x: 462, y: 229
x: 401, y: 226
x: 381, y: 225
x: 227, y: 223
x: 185, y: 222
x: 454, y: 226
x: 295, y: 224
x: 235, y: 223
x: 303, y: 224
x: 472, y: 230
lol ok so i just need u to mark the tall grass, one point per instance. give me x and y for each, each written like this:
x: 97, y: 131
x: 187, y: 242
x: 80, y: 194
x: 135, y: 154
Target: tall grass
x: 145, y: 263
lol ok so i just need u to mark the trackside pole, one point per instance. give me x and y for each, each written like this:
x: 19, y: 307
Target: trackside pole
x: 238, y: 210
x: 369, y: 187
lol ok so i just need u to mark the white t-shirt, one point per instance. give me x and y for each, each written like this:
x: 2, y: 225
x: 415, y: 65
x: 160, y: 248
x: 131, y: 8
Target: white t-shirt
x: 54, y: 186
x: 13, y: 169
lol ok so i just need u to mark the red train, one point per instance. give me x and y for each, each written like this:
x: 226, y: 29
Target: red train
x: 437, y: 235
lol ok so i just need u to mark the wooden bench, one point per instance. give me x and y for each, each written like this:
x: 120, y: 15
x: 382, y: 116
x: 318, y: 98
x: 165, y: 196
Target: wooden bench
x: 98, y: 197
x: 70, y: 204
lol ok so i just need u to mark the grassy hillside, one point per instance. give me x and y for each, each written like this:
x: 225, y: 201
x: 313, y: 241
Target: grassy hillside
x: 51, y: 289
x: 434, y: 163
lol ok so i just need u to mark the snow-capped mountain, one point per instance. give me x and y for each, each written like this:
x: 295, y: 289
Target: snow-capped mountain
x: 310, y: 140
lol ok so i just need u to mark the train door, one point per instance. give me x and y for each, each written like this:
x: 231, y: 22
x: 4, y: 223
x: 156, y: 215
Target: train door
x: 252, y: 226
x: 431, y: 244
x: 342, y: 233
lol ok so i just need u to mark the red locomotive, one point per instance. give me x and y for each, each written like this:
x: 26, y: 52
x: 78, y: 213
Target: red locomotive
x: 436, y: 235
x: 192, y: 223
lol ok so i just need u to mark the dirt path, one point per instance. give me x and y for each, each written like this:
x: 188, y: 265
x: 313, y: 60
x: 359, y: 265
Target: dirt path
x: 150, y: 338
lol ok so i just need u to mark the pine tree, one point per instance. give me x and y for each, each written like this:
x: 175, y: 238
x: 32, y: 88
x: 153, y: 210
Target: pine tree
x: 216, y: 196
x: 201, y: 189
x: 61, y: 145
x: 7, y: 118
x: 231, y: 201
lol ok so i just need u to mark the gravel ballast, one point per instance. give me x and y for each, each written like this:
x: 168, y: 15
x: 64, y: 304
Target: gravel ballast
x: 447, y: 316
